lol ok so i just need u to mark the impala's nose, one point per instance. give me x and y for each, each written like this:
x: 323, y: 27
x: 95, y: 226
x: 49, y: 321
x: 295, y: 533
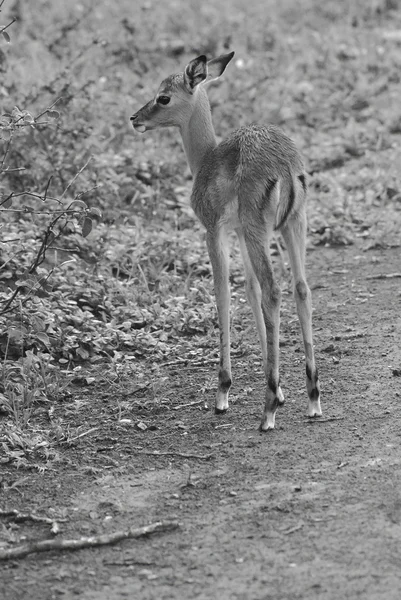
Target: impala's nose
x: 133, y: 118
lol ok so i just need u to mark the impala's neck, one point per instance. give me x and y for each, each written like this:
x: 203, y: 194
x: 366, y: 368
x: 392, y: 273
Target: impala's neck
x: 198, y: 134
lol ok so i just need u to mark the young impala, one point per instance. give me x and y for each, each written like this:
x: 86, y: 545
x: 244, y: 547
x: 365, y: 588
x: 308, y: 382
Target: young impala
x: 254, y: 183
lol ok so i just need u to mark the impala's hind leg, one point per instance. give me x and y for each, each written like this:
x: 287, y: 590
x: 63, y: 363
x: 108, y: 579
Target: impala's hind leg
x: 264, y: 296
x: 294, y: 234
x: 254, y: 296
x: 218, y: 253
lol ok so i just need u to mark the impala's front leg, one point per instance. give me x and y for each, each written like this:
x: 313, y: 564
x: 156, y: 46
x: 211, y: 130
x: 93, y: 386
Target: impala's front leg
x: 218, y: 253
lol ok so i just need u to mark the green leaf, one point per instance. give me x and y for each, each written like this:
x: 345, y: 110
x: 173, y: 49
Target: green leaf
x: 38, y: 324
x: 7, y: 203
x: 23, y: 275
x: 84, y: 354
x: 16, y: 113
x: 79, y: 204
x: 17, y: 334
x: 87, y: 226
x: 6, y: 36
x: 95, y: 211
x: 28, y: 118
x: 43, y: 337
x: 53, y: 114
x: 45, y: 285
x: 5, y: 134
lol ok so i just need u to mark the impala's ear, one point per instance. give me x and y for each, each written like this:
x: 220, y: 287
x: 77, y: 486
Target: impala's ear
x: 217, y: 66
x: 195, y: 72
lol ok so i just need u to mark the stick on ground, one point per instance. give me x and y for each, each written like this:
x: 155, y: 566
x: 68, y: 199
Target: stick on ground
x: 86, y: 542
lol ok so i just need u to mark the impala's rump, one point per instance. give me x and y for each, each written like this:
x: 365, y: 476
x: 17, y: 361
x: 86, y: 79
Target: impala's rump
x: 257, y: 170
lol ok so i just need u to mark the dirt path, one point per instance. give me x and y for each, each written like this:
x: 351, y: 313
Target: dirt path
x: 311, y: 510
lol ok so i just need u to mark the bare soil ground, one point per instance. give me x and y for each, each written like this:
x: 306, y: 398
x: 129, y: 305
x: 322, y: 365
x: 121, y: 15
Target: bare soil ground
x: 310, y: 510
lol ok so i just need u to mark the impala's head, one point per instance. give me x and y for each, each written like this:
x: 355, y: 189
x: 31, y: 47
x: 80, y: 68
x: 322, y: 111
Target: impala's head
x: 177, y: 95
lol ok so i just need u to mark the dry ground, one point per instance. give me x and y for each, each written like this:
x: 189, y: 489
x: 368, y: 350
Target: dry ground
x: 311, y: 510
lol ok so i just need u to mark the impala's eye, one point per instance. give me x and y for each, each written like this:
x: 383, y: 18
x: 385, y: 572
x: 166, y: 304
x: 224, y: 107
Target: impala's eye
x: 163, y: 100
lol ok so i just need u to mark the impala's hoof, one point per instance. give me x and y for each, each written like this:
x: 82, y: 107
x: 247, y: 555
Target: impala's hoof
x: 268, y: 422
x: 314, y: 408
x: 221, y: 404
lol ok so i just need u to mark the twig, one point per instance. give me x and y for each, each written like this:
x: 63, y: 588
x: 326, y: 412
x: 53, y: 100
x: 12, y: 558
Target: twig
x: 189, y: 404
x: 86, y: 542
x: 41, y: 212
x: 171, y: 363
x: 183, y: 362
x: 6, y: 151
x: 384, y: 276
x: 141, y: 388
x: 294, y: 529
x: 48, y: 108
x: 19, y: 517
x: 8, y: 170
x: 6, y: 26
x: 180, y: 454
x: 75, y: 177
x: 47, y: 188
x: 313, y: 420
x: 35, y: 195
x: 81, y: 435
x: 133, y: 561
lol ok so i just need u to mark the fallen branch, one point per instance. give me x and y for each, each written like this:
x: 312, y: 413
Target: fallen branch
x: 384, y: 276
x: 20, y: 517
x: 86, y: 542
x: 179, y: 454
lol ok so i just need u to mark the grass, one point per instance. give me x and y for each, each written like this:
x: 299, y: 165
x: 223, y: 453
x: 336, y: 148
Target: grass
x: 139, y: 285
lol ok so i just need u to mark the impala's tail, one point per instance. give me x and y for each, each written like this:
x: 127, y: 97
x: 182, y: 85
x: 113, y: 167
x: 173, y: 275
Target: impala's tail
x: 291, y: 196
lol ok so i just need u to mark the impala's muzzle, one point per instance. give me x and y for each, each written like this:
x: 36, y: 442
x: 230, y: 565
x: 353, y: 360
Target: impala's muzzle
x: 137, y: 125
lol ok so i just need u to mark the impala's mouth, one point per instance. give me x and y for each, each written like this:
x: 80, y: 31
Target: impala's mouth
x: 140, y: 128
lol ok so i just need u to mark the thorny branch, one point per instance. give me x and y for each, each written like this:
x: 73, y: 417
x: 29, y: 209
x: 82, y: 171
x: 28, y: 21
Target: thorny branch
x: 49, y: 235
